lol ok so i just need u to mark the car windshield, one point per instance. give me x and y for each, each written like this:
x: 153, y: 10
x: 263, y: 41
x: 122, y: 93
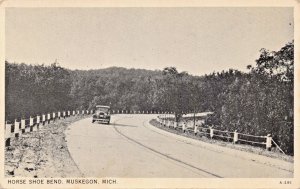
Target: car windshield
x: 102, y: 109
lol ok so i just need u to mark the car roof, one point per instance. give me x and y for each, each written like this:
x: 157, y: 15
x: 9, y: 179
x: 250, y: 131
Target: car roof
x: 100, y: 106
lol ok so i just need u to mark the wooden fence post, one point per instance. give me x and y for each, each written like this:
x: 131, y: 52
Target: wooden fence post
x: 196, y: 129
x: 268, y: 142
x: 211, y: 132
x: 7, y: 134
x: 23, y: 125
x: 31, y: 123
x: 43, y: 119
x: 48, y: 117
x: 37, y: 121
x: 54, y: 116
x: 235, y: 137
x: 17, y: 128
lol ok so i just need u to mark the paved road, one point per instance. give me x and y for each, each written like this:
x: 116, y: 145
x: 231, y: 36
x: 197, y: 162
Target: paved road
x: 129, y: 148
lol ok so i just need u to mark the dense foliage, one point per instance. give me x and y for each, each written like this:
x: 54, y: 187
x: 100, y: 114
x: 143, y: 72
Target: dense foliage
x: 259, y: 102
x: 31, y: 90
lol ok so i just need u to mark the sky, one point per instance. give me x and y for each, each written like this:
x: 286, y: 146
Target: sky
x: 197, y: 40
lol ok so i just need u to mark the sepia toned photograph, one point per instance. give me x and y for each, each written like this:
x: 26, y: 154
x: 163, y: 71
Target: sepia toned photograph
x: 94, y: 95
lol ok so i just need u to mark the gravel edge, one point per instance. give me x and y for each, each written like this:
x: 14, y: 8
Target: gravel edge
x: 43, y: 153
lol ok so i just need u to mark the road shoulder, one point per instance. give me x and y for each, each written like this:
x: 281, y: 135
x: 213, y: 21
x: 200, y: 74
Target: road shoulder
x: 43, y: 153
x: 280, y: 164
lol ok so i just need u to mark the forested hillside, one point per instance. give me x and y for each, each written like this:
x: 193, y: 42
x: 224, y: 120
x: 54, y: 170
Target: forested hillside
x: 258, y: 102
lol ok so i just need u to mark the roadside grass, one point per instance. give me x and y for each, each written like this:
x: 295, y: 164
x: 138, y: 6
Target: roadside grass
x: 243, y: 147
x: 42, y: 153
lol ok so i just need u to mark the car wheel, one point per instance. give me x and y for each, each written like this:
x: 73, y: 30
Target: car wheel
x: 93, y: 121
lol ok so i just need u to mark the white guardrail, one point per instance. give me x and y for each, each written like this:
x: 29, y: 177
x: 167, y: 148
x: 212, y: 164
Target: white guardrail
x: 33, y: 124
x: 20, y: 126
x: 199, y: 128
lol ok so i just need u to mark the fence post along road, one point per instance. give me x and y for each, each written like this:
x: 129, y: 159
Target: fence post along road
x: 32, y: 124
x: 166, y: 119
x: 199, y: 127
x: 187, y: 124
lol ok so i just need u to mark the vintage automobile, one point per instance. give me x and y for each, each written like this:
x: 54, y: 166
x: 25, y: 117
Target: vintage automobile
x: 102, y: 114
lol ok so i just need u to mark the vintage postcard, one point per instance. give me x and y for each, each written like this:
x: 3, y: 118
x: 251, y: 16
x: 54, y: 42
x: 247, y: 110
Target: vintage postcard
x: 149, y: 94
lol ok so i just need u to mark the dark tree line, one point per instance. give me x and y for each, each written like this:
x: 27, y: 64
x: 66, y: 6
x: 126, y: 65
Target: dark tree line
x: 258, y: 102
x: 31, y: 90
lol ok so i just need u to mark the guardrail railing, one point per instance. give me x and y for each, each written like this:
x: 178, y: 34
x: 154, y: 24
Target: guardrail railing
x: 213, y: 133
x: 33, y: 123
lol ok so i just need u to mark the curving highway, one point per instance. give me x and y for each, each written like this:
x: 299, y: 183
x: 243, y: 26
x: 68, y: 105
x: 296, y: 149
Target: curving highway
x: 129, y: 147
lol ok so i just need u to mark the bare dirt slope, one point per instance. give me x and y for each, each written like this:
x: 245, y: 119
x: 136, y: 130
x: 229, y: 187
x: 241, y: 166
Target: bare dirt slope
x: 42, y: 154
